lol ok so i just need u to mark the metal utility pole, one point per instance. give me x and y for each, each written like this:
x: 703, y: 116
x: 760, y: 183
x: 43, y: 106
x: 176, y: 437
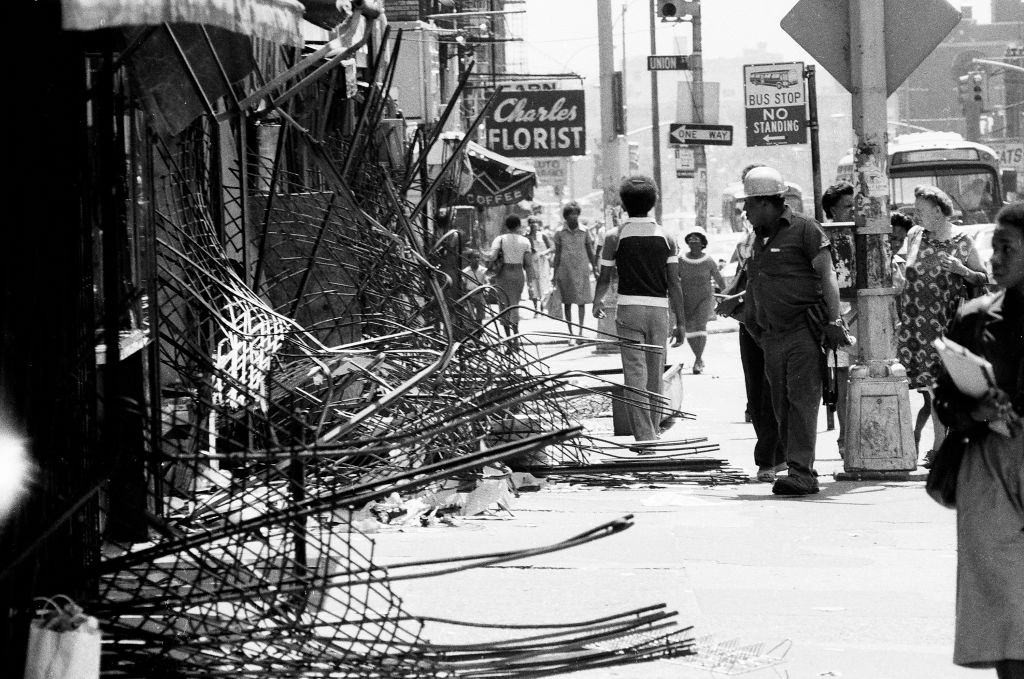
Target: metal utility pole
x: 610, y: 171
x: 622, y: 20
x: 880, y: 438
x: 812, y: 124
x: 656, y: 125
x: 700, y: 158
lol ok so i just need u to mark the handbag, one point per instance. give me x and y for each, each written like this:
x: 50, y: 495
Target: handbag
x: 941, y: 483
x: 63, y: 643
x: 731, y: 305
x: 495, y: 265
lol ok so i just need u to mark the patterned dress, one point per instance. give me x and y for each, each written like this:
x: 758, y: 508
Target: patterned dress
x: 929, y: 301
x: 696, y: 277
x: 574, y: 266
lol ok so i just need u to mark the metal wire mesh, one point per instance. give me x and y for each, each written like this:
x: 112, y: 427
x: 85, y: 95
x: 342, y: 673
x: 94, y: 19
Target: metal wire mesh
x: 304, y: 367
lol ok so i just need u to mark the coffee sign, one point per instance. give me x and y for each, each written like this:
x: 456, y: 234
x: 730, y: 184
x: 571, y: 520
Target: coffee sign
x: 538, y: 124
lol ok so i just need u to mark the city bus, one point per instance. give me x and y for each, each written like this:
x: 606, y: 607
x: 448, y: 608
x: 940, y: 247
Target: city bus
x: 967, y: 171
x: 779, y: 79
x: 732, y: 204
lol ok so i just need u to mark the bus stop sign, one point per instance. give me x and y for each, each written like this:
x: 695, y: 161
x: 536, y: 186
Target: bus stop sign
x: 913, y: 28
x: 773, y: 96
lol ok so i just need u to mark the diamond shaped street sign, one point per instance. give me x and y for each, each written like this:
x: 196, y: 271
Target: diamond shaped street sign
x: 913, y: 28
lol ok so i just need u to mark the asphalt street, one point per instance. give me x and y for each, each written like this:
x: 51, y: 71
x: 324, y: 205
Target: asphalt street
x: 857, y: 581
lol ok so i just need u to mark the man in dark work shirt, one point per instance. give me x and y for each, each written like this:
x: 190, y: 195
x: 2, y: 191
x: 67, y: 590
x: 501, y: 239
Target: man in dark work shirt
x: 790, y: 271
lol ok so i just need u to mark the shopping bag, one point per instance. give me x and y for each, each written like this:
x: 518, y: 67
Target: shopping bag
x: 495, y: 266
x: 945, y: 468
x: 553, y: 307
x: 63, y: 643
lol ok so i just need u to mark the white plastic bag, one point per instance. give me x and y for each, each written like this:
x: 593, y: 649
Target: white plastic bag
x: 63, y: 643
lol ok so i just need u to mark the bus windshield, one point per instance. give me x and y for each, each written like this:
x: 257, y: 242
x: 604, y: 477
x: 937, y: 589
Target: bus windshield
x: 974, y: 192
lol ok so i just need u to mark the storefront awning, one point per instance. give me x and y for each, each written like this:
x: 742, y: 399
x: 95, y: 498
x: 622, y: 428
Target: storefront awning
x: 497, y: 180
x: 277, y: 21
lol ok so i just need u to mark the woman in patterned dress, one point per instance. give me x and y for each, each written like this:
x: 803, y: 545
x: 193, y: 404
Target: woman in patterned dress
x: 574, y: 261
x: 697, y: 273
x: 939, y: 266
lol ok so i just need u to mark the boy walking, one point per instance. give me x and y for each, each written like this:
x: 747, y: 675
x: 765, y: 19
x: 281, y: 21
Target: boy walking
x: 647, y: 264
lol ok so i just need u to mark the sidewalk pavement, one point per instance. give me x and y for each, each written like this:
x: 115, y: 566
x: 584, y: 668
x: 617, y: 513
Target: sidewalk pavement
x: 859, y: 579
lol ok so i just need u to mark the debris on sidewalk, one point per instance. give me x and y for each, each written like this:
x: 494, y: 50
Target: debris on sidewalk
x: 730, y: 657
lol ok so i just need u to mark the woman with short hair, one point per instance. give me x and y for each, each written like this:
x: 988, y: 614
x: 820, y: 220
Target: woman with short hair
x: 939, y: 266
x: 699, y: 277
x: 575, y: 260
x: 514, y: 249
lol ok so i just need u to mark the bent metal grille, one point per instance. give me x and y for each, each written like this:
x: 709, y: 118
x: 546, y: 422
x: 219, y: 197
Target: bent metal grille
x: 538, y: 124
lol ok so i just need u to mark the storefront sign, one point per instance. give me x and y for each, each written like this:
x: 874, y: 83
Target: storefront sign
x: 527, y: 85
x: 538, y: 124
x: 497, y: 180
x: 551, y: 171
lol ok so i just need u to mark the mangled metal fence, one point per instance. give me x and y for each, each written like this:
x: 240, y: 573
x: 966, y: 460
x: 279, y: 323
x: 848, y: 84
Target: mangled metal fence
x: 308, y: 351
x: 309, y: 355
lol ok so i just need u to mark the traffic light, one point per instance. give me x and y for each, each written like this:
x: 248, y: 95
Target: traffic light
x: 963, y: 88
x: 678, y: 10
x: 1014, y: 91
x: 971, y: 92
x: 977, y: 87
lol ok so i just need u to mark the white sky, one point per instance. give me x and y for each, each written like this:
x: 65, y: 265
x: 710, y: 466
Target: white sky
x: 561, y: 35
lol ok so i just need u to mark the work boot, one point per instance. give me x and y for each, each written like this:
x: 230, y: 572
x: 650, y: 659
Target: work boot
x: 795, y: 485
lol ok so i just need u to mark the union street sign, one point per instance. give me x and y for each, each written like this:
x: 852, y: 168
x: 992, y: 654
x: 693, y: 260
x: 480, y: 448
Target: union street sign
x: 693, y: 134
x: 775, y: 103
x: 668, y: 62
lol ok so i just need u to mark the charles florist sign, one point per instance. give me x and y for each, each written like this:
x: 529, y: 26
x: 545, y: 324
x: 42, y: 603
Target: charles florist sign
x: 538, y: 124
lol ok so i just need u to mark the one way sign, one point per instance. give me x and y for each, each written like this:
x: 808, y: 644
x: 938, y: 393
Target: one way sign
x: 693, y: 134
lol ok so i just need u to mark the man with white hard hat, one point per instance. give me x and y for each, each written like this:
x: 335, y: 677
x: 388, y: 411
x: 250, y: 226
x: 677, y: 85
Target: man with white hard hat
x: 790, y: 274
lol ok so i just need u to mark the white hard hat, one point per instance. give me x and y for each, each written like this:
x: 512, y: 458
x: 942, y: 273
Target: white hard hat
x: 763, y: 181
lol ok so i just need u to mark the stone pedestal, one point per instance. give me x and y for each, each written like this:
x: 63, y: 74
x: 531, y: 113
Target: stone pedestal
x: 879, y: 436
x: 880, y: 432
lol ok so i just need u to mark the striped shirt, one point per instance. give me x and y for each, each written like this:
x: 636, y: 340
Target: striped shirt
x: 639, y: 252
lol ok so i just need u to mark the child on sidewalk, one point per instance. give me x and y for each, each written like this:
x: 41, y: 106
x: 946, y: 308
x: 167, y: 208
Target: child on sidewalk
x: 473, y: 276
x: 647, y: 264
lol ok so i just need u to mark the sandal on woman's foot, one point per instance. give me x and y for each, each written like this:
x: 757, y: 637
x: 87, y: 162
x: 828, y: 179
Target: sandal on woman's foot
x: 698, y: 367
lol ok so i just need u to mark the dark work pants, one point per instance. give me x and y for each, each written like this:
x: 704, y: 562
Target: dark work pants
x: 792, y: 361
x: 768, y: 451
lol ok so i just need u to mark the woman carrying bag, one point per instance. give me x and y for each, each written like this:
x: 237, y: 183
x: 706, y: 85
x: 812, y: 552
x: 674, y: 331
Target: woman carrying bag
x: 511, y: 260
x: 989, y: 485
